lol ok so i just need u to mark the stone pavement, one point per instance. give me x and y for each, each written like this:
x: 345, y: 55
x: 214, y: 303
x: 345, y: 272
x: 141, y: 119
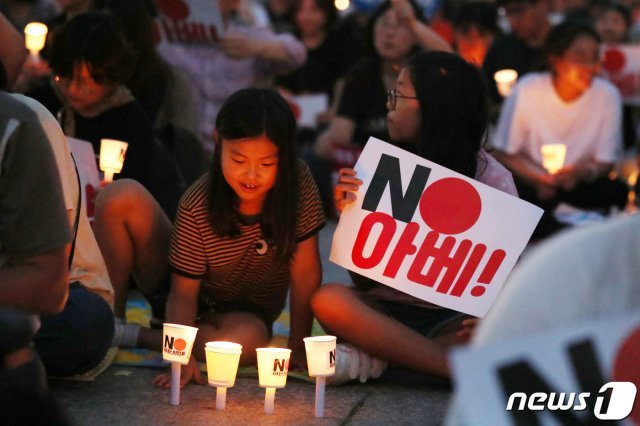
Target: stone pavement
x: 124, y: 395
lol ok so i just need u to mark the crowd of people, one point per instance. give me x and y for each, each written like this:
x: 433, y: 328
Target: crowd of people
x: 216, y: 213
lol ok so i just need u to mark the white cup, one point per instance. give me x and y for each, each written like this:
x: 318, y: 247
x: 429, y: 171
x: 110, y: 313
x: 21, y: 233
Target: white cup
x: 505, y: 80
x: 273, y: 366
x: 321, y: 355
x: 112, y: 155
x: 553, y: 155
x: 177, y: 342
x: 35, y: 35
x: 222, y: 363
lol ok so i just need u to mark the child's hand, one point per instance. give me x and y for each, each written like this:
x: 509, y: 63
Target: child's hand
x: 343, y: 192
x: 468, y: 328
x: 190, y: 372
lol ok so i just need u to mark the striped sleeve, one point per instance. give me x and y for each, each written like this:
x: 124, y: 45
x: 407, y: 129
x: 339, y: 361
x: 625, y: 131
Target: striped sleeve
x: 310, y: 211
x: 187, y: 253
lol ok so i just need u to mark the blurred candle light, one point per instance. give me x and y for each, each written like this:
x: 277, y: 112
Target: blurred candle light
x: 222, y: 366
x: 112, y: 154
x: 35, y: 35
x: 505, y: 80
x: 273, y: 366
x: 342, y: 4
x: 177, y: 342
x: 321, y: 361
x: 553, y: 155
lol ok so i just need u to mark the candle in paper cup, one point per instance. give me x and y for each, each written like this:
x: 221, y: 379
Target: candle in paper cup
x: 112, y: 154
x: 321, y: 361
x: 505, y: 80
x: 321, y: 355
x: 222, y: 366
x: 35, y: 35
x: 273, y: 366
x: 178, y: 342
x: 553, y: 155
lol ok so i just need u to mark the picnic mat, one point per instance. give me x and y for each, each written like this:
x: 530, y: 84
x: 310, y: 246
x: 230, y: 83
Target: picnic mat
x: 139, y: 312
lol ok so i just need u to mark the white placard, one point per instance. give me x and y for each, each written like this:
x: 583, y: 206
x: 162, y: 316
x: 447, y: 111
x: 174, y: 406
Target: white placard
x: 310, y: 107
x: 572, y: 360
x: 621, y: 66
x: 188, y: 22
x: 446, y: 239
x: 85, y: 159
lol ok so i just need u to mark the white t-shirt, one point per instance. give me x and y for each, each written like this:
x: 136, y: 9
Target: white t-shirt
x: 534, y: 114
x: 88, y: 265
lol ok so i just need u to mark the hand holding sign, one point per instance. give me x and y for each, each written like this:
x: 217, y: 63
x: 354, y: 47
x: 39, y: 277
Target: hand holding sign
x: 428, y: 231
x: 345, y: 189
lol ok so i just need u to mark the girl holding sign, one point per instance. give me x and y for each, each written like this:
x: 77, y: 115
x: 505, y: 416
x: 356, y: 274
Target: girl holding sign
x: 435, y: 93
x: 244, y: 233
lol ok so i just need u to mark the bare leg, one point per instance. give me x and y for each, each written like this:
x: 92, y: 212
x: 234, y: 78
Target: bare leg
x: 133, y: 234
x: 340, y: 310
x: 238, y: 327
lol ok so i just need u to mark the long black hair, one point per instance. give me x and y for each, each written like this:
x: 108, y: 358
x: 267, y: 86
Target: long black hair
x: 97, y: 39
x: 562, y: 36
x: 377, y: 14
x: 454, y: 114
x: 251, y: 113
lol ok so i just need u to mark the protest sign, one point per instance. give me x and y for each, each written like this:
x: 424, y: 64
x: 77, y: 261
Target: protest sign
x: 621, y: 66
x: 85, y: 158
x: 188, y: 22
x: 573, y: 375
x: 431, y: 232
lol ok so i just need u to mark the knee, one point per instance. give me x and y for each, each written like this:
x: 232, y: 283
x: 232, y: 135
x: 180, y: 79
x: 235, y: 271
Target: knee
x: 329, y: 300
x: 120, y: 198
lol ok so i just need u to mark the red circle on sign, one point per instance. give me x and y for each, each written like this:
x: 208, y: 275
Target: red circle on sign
x: 174, y: 9
x: 614, y: 60
x: 450, y: 206
x: 627, y: 369
x: 180, y: 344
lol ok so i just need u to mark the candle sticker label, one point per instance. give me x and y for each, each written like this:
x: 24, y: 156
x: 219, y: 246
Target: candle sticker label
x: 280, y: 367
x: 173, y: 346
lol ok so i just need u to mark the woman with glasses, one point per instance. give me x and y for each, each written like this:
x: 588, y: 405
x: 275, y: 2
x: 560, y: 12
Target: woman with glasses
x: 438, y: 108
x: 91, y: 61
x: 396, y: 31
x: 566, y: 105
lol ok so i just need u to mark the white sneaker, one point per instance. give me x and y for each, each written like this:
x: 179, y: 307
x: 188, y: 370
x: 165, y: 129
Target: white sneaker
x: 352, y: 363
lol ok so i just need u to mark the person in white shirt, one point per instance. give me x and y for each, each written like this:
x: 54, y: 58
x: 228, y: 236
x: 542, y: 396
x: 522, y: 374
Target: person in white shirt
x: 567, y: 105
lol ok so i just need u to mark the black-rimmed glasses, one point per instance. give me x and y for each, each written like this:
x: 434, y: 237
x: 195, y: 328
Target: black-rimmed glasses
x: 392, y: 97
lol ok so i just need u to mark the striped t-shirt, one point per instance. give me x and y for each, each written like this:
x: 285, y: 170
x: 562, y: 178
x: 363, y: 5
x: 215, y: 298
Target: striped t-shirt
x: 238, y: 269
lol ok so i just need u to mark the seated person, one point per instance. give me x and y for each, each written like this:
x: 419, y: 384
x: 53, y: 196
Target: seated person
x: 567, y: 104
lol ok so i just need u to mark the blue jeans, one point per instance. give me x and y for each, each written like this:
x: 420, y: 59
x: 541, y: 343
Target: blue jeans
x: 77, y: 339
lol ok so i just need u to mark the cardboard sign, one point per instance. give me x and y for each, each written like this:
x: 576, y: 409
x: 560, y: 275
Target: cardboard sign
x: 561, y: 377
x: 85, y: 159
x: 430, y: 232
x: 621, y: 66
x: 188, y: 22
x: 310, y: 106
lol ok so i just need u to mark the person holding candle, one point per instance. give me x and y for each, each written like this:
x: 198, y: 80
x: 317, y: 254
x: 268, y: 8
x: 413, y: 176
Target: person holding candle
x: 245, y: 232
x: 569, y: 105
x: 434, y: 93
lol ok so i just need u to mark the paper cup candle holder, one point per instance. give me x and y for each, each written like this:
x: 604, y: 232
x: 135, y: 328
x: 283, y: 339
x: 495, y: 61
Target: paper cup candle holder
x: 177, y: 342
x: 553, y: 155
x: 35, y: 35
x: 273, y: 366
x: 112, y: 154
x: 321, y: 361
x: 505, y: 80
x: 222, y: 366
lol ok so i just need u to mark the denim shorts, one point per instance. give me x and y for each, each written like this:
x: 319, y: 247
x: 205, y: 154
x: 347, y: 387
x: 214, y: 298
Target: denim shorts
x: 426, y: 321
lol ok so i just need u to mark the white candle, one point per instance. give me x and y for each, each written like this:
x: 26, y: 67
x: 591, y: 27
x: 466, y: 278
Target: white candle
x: 112, y: 154
x: 505, y: 80
x: 553, y: 155
x: 35, y: 35
x: 321, y: 362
